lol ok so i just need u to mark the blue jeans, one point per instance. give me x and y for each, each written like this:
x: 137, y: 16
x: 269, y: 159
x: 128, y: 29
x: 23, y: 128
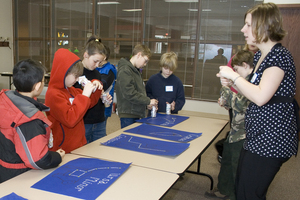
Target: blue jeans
x: 127, y: 121
x: 95, y: 131
x: 106, y: 118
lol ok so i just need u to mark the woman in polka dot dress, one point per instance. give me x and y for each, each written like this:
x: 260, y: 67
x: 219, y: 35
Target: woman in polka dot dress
x: 270, y: 121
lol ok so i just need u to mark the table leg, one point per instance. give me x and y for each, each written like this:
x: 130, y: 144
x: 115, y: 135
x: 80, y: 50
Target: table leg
x: 202, y: 174
x: 10, y: 82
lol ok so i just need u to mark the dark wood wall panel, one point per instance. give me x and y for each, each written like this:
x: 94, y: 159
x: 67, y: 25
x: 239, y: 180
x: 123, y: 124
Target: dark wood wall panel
x: 291, y: 23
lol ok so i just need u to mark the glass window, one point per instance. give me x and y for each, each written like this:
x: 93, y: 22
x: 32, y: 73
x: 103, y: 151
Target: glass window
x: 73, y: 24
x: 32, y: 30
x: 171, y: 26
x: 220, y: 36
x: 204, y: 34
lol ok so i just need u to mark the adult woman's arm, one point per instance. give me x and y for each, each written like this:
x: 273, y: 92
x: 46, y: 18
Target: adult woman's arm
x: 258, y: 94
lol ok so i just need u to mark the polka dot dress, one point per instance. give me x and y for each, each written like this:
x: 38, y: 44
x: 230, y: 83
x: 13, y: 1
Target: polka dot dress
x: 271, y: 129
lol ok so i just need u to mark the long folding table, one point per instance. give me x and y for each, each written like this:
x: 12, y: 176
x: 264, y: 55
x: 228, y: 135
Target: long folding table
x: 210, y: 129
x: 135, y: 183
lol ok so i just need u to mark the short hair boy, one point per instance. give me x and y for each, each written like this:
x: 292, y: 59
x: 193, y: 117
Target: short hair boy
x: 130, y: 90
x: 242, y: 63
x: 24, y: 129
x: 68, y: 104
x: 165, y: 86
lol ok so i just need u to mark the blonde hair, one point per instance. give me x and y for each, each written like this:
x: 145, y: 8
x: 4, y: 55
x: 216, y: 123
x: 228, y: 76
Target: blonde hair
x: 169, y: 60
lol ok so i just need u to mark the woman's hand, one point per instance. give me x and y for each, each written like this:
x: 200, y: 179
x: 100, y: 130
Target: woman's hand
x: 226, y: 75
x: 226, y: 82
x: 227, y: 72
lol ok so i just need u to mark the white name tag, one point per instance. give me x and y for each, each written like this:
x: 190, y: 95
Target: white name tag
x: 50, y: 144
x: 169, y: 88
x: 71, y: 100
x: 253, y: 77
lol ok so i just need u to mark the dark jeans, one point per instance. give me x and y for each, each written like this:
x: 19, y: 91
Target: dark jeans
x: 255, y: 174
x: 127, y: 121
x: 229, y: 164
x: 95, y: 131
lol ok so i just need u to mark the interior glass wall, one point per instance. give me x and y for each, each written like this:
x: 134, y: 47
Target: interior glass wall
x: 204, y: 34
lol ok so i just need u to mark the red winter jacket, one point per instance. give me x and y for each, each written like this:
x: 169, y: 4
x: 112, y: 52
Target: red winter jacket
x: 67, y: 118
x: 24, y: 136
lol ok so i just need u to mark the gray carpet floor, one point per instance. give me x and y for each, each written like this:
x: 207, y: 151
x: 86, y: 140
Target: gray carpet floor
x: 285, y: 186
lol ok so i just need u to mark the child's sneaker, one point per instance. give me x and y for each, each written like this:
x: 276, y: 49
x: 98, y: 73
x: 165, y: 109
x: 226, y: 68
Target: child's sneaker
x: 215, y: 193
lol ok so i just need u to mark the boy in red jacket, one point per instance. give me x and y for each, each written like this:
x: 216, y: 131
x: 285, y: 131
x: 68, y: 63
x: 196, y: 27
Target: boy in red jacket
x: 24, y: 129
x: 68, y: 104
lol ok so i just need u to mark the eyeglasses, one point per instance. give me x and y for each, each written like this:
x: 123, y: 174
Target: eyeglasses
x: 101, y: 63
x: 146, y: 60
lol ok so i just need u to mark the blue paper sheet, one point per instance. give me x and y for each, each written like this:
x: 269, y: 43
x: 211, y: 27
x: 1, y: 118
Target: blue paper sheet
x: 163, y: 120
x: 12, y: 196
x: 164, y: 133
x: 84, y: 178
x: 145, y: 145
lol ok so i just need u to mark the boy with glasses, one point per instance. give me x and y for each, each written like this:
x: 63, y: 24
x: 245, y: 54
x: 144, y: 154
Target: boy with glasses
x: 132, y: 99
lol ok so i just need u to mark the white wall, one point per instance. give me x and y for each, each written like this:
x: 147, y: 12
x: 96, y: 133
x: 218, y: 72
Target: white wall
x: 6, y: 30
x: 206, y: 107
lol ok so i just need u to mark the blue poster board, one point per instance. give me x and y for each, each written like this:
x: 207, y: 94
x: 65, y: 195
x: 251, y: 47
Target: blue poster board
x: 163, y: 120
x: 164, y: 133
x: 145, y: 145
x: 12, y: 196
x: 84, y: 178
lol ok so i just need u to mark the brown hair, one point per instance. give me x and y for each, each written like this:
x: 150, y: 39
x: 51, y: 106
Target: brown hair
x: 94, y: 45
x: 266, y: 22
x: 107, y: 52
x: 145, y: 51
x: 76, y: 69
x: 242, y: 56
x: 169, y: 61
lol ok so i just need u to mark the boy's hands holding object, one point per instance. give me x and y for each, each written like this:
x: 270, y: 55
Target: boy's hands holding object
x: 61, y: 152
x: 89, y: 87
x: 173, y: 105
x: 98, y: 85
x: 108, y: 98
x: 153, y: 102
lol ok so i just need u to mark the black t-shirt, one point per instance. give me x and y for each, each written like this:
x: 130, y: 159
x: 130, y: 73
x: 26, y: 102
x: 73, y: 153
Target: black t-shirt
x: 95, y: 114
